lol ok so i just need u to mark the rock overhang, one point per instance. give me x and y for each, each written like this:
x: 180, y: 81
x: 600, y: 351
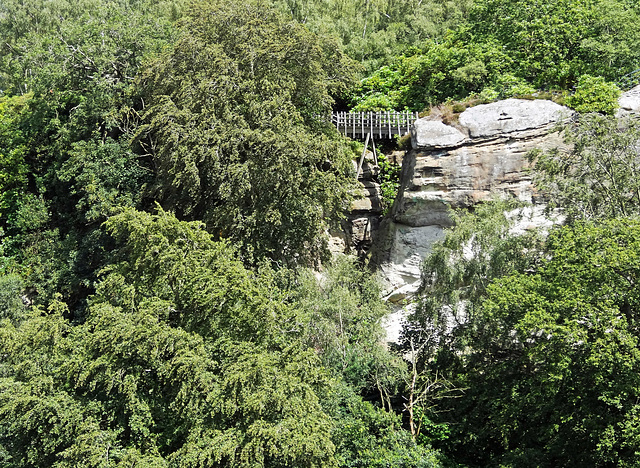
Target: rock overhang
x: 508, y: 118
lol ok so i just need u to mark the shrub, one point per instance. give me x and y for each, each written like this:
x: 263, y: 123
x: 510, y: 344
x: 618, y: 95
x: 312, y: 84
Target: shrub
x: 389, y: 181
x: 594, y: 94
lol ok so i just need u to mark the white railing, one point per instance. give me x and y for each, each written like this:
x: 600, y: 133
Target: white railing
x: 385, y: 124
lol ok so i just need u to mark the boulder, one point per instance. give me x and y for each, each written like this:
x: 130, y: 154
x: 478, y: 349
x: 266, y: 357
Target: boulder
x: 368, y: 199
x: 435, y: 181
x: 629, y: 102
x: 511, y: 115
x: 435, y: 134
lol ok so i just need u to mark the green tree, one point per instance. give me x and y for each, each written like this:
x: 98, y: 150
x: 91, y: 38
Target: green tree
x: 343, y: 308
x: 596, y: 175
x: 13, y: 167
x: 25, y: 23
x: 442, y: 69
x: 184, y: 359
x: 12, y: 305
x: 72, y: 136
x: 552, y: 377
x: 481, y: 247
x: 373, y: 32
x: 234, y: 129
x: 554, y: 42
x: 507, y: 47
x: 366, y: 436
x: 594, y: 94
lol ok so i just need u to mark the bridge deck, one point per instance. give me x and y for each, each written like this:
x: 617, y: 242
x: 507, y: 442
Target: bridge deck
x: 377, y: 124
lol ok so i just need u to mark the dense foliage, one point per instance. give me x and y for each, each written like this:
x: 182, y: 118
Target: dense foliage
x: 551, y: 374
x: 373, y: 32
x: 511, y: 48
x: 538, y: 331
x: 187, y: 358
x: 167, y: 176
x: 142, y: 339
x: 232, y: 127
x: 160, y: 374
x: 596, y: 177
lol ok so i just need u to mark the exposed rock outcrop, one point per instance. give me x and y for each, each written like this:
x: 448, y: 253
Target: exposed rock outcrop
x: 435, y: 134
x: 365, y: 212
x: 629, y: 102
x: 362, y: 221
x: 512, y: 117
x: 459, y: 166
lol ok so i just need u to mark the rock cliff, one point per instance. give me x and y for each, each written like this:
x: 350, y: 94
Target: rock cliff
x: 453, y: 165
x: 362, y: 222
x: 457, y: 165
x: 629, y: 103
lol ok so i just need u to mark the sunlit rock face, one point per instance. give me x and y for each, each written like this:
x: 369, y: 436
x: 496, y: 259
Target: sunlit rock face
x: 511, y: 117
x: 629, y: 102
x: 456, y: 166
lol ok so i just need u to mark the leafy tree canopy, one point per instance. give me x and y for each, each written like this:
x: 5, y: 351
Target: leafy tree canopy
x: 508, y: 48
x: 13, y: 167
x: 541, y: 334
x: 27, y: 22
x: 343, y: 310
x: 373, y: 32
x: 552, y: 376
x: 540, y: 338
x: 69, y: 149
x: 183, y: 360
x: 234, y: 124
x: 596, y: 175
x: 480, y: 248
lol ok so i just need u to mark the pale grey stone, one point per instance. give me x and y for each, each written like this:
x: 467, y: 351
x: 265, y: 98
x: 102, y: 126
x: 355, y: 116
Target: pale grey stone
x: 511, y: 115
x: 367, y: 199
x: 395, y: 321
x: 409, y: 246
x: 629, y: 102
x: 434, y: 134
x: 435, y: 181
x: 460, y: 176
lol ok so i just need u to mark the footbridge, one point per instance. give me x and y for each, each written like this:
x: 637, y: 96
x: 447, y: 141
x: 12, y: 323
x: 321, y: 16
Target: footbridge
x: 385, y: 124
x: 372, y: 125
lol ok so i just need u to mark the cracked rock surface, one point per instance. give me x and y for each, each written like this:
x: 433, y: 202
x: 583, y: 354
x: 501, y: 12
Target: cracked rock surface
x: 459, y: 167
x: 629, y: 102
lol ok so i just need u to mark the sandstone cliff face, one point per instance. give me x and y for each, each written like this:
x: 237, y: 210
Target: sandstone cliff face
x: 629, y: 103
x: 455, y: 166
